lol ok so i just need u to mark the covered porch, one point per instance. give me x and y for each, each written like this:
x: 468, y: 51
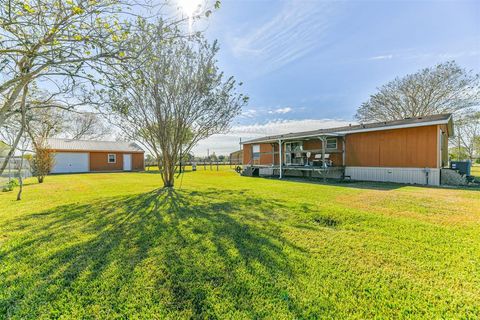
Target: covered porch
x: 321, y: 155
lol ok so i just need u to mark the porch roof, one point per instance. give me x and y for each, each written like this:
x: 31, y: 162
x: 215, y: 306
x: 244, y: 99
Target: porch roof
x: 363, y: 127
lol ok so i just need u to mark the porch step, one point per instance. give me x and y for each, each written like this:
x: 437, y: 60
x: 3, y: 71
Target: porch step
x: 249, y: 172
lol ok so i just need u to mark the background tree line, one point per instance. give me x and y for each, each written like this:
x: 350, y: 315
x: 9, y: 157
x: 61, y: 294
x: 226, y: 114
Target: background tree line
x: 444, y: 88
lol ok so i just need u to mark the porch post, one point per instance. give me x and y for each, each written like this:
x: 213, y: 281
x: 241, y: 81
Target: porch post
x: 324, y: 142
x: 324, y: 164
x: 343, y: 151
x: 273, y: 153
x: 280, y: 158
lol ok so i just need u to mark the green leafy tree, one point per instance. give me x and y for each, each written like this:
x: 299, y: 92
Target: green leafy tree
x: 458, y: 153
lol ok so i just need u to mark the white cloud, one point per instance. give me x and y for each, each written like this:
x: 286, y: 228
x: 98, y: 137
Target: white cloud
x: 384, y: 57
x: 427, y: 55
x: 292, y: 33
x: 226, y: 143
x: 280, y: 110
x: 249, y: 113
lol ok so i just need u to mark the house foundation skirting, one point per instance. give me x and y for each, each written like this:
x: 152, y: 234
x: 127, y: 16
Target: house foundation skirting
x: 424, y: 176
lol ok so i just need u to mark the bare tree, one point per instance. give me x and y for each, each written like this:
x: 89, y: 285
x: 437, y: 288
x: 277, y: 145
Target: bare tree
x: 173, y: 97
x: 445, y: 88
x: 467, y: 134
x: 57, y: 41
x: 45, y: 123
x: 15, y: 129
x: 85, y: 125
x: 43, y: 119
x: 61, y: 45
x: 60, y: 42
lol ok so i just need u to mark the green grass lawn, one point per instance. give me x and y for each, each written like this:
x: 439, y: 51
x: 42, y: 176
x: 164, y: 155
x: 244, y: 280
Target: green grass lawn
x: 476, y: 170
x: 222, y: 246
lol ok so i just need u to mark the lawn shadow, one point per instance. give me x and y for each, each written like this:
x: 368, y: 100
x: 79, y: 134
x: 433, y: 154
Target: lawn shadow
x: 371, y: 185
x: 346, y: 183
x: 200, y: 254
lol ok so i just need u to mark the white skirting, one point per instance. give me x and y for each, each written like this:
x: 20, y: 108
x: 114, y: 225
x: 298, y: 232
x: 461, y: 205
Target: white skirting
x: 399, y: 175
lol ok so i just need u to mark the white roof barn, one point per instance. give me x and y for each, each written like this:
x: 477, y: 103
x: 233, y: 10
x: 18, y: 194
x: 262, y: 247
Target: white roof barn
x: 95, y: 156
x: 92, y: 145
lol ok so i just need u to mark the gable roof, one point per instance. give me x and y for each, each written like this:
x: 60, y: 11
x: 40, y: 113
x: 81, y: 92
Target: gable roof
x: 92, y: 145
x: 365, y: 127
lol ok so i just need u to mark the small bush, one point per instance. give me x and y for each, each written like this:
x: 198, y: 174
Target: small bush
x: 10, y: 185
x: 42, y: 162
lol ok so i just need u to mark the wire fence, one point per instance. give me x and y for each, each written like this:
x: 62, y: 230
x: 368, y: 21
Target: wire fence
x: 13, y: 170
x: 199, y: 165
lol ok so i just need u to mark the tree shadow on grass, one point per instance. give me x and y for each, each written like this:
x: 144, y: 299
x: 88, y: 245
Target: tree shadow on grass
x: 200, y: 254
x: 371, y: 185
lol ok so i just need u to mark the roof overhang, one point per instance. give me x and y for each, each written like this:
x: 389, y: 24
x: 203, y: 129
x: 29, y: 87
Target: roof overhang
x: 401, y: 126
x: 299, y: 137
x: 309, y: 135
x: 93, y: 151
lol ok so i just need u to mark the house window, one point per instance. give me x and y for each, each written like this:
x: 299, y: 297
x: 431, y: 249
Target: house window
x: 294, y: 146
x: 112, y: 158
x: 294, y: 154
x: 331, y: 143
x: 256, y: 152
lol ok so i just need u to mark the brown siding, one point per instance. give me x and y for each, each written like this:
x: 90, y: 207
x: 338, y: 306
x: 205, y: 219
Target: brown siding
x: 247, y: 153
x: 138, y: 162
x: 267, y: 157
x: 99, y: 161
x: 335, y: 155
x: 409, y: 147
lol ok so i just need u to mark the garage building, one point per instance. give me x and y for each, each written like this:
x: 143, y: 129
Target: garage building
x: 73, y: 156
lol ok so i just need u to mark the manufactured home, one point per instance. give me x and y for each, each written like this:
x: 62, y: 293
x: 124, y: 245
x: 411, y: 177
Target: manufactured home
x: 412, y: 150
x: 73, y: 156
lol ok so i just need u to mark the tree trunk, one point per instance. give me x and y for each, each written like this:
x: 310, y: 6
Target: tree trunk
x: 20, y: 133
x: 168, y: 172
x: 169, y: 176
x: 20, y: 181
x: 12, y: 150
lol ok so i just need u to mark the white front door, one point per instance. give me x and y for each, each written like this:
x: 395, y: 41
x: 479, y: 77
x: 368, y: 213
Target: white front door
x: 127, y: 162
x: 66, y: 162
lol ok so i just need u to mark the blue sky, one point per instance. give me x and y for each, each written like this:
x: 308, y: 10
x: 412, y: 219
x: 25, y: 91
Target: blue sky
x: 310, y: 64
